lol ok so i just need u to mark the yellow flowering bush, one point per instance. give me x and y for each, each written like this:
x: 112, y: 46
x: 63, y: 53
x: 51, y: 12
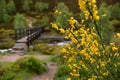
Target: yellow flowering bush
x: 88, y: 57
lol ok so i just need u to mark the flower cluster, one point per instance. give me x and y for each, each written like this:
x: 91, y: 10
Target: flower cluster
x: 87, y: 57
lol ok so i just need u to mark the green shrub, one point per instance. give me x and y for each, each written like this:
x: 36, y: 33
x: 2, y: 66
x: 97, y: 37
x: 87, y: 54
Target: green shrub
x: 63, y: 70
x: 42, y: 22
x: 6, y: 45
x: 19, y: 21
x: 62, y: 78
x: 105, y: 28
x: 26, y: 4
x: 2, y: 10
x: 61, y: 6
x: 116, y: 24
x: 44, y: 49
x: 115, y: 11
x: 31, y: 64
x: 6, y: 38
x: 12, y: 71
x: 7, y: 18
x: 62, y: 15
x: 10, y: 7
x: 6, y: 33
x: 41, y: 6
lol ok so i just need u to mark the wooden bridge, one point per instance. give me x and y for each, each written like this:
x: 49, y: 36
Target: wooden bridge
x: 28, y: 35
x: 25, y: 37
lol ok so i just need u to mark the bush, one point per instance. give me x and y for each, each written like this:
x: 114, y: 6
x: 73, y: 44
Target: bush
x: 44, y: 49
x: 115, y: 11
x: 42, y: 22
x: 63, y: 70
x: 10, y: 7
x: 2, y: 10
x: 116, y: 24
x: 6, y: 45
x: 62, y: 14
x: 6, y: 38
x: 11, y: 71
x: 26, y: 4
x: 41, y: 6
x: 31, y: 64
x: 19, y: 21
x: 105, y: 28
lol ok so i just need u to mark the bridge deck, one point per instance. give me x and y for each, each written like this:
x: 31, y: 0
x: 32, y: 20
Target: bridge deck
x: 22, y: 40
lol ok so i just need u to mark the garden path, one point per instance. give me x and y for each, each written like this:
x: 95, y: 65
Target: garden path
x: 14, y: 57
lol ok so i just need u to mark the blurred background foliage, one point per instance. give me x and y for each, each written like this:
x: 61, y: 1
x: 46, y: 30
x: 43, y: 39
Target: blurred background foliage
x: 19, y: 13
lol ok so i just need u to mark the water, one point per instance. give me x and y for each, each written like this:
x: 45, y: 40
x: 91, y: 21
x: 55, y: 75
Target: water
x: 60, y: 43
x: 5, y: 50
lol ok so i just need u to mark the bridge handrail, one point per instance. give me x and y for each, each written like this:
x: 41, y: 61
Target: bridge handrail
x: 31, y: 33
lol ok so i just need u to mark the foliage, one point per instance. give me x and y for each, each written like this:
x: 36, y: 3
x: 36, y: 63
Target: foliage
x: 19, y: 21
x: 6, y: 45
x: 26, y: 4
x: 2, y: 10
x: 41, y: 6
x: 9, y: 71
x: 105, y: 28
x: 115, y: 11
x: 62, y: 70
x: 62, y: 14
x: 7, y: 18
x: 44, y: 49
x: 6, y: 40
x: 10, y: 7
x: 42, y: 22
x: 116, y: 24
x: 31, y: 64
x: 88, y: 57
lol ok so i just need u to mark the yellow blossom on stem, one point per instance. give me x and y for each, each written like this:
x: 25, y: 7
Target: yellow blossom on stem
x: 105, y: 74
x: 118, y: 35
x: 62, y: 30
x: 54, y: 25
x: 68, y: 78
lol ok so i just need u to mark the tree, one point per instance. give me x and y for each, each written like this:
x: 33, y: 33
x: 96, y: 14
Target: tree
x: 2, y: 10
x: 11, y: 9
x: 19, y: 21
x: 26, y: 6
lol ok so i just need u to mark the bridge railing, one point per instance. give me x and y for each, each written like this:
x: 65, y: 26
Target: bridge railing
x: 31, y: 34
x: 20, y: 32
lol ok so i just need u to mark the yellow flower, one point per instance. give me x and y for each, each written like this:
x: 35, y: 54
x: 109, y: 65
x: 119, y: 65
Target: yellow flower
x: 86, y: 14
x: 64, y: 50
x: 105, y: 74
x: 95, y: 16
x: 114, y: 48
x: 92, y: 60
x: 104, y: 15
x: 68, y: 78
x: 62, y: 30
x: 93, y: 1
x: 72, y: 21
x: 64, y: 57
x: 118, y: 35
x: 74, y: 40
x: 82, y: 5
x: 56, y: 11
x: 74, y: 70
x: 102, y: 64
x: 116, y: 54
x: 109, y: 60
x: 54, y: 26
